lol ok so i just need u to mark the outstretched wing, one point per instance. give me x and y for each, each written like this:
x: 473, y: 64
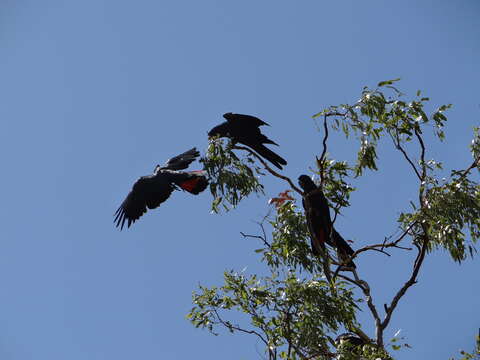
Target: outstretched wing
x: 231, y: 117
x: 182, y: 161
x: 148, y: 191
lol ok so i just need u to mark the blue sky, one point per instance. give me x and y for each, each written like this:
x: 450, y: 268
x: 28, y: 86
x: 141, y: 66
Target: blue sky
x: 95, y: 93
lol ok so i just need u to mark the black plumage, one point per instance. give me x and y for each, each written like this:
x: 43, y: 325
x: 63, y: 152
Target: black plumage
x: 152, y: 190
x: 245, y: 129
x: 349, y: 338
x: 319, y: 222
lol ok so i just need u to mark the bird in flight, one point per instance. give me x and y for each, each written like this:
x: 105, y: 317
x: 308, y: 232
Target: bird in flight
x: 245, y: 129
x: 152, y: 190
x: 319, y: 222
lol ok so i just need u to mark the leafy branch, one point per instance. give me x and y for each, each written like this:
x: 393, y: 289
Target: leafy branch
x: 293, y: 310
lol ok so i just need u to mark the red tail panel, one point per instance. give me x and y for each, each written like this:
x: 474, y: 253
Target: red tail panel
x: 195, y: 185
x: 190, y: 185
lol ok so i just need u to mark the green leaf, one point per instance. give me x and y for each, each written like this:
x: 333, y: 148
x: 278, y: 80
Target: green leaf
x: 387, y: 82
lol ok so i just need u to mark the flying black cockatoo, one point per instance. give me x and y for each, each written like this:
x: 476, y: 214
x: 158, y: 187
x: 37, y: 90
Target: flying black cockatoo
x: 152, y: 190
x: 245, y: 129
x: 319, y: 221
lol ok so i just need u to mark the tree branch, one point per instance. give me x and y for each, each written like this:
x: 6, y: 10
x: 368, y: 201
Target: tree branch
x: 422, y: 155
x: 422, y: 250
x: 265, y: 242
x: 230, y: 326
x: 269, y: 169
x: 363, y: 285
x: 475, y: 163
x: 396, y: 142
x: 321, y: 161
x: 375, y: 248
x: 411, y: 281
x: 378, y: 324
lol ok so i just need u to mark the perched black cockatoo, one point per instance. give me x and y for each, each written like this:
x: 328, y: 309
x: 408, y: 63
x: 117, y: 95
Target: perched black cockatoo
x: 350, y: 338
x: 245, y: 129
x: 152, y: 190
x: 349, y: 342
x: 319, y: 221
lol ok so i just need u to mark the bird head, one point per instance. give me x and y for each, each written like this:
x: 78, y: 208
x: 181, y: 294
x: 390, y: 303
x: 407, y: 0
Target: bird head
x: 219, y: 131
x: 228, y: 116
x: 306, y: 183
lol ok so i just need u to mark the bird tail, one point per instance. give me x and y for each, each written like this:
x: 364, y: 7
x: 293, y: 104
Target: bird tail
x: 268, y: 154
x: 194, y: 182
x: 266, y: 140
x: 344, y: 250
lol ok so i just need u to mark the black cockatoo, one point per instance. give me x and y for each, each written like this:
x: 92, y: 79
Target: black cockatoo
x: 350, y: 338
x: 152, y: 190
x: 319, y: 221
x: 245, y: 129
x: 350, y: 346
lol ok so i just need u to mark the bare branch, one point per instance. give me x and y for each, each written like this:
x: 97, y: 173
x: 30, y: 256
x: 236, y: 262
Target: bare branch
x: 422, y: 250
x: 422, y: 155
x: 321, y: 161
x: 396, y: 141
x: 411, y: 281
x: 363, y: 285
x: 475, y: 163
x: 375, y: 247
x: 360, y: 333
x: 265, y: 242
x: 230, y: 326
x: 378, y: 324
x: 269, y: 169
x: 359, y: 284
x: 379, y: 250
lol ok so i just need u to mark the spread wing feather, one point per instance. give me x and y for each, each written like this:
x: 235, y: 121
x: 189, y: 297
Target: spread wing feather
x: 146, y: 192
x: 182, y: 161
x: 253, y: 120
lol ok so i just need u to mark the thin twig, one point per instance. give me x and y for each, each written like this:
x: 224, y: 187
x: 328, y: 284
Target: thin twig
x: 399, y: 147
x: 380, y: 250
x: 269, y: 169
x: 265, y: 242
x: 476, y: 163
x: 229, y: 325
x: 411, y: 281
x: 422, y: 155
x: 321, y: 161
x: 375, y: 247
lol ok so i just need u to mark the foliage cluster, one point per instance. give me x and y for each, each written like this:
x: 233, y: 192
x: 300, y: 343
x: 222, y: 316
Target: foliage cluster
x: 304, y: 301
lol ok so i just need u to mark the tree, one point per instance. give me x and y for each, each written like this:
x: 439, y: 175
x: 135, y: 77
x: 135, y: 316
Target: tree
x: 303, y: 304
